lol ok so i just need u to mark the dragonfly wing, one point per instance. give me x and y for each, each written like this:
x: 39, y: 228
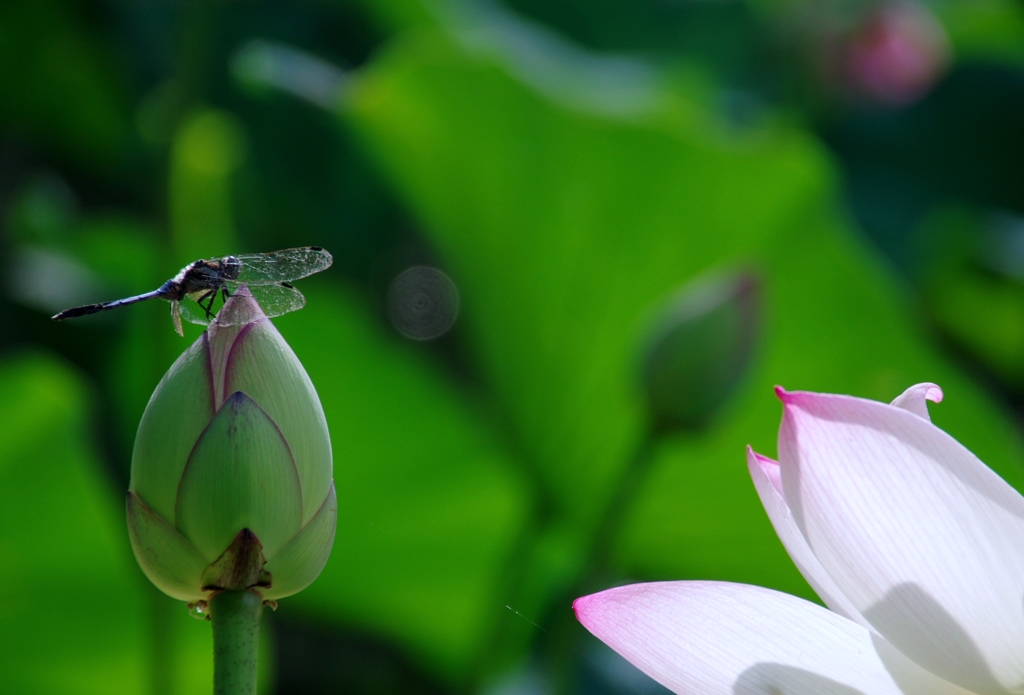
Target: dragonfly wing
x: 273, y: 299
x: 283, y: 266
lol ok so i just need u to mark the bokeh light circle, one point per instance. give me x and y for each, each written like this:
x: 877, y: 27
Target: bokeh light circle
x: 422, y: 303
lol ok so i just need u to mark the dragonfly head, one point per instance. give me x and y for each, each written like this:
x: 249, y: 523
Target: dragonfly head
x: 230, y: 268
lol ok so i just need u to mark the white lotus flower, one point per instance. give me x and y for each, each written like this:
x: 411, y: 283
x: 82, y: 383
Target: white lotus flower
x: 913, y: 543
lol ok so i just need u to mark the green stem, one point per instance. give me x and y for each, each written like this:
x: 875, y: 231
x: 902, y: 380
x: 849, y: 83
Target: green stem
x: 236, y: 637
x: 611, y: 521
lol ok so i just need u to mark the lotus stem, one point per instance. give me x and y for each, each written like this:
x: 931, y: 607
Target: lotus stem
x: 236, y: 637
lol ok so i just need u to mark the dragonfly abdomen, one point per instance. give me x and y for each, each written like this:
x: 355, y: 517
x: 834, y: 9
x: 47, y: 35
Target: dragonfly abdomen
x: 103, y: 306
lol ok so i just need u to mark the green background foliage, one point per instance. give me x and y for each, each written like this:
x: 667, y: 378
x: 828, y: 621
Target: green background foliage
x: 571, y: 167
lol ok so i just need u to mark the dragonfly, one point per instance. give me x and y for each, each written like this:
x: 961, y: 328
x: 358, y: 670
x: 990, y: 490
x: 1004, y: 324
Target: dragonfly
x: 209, y: 282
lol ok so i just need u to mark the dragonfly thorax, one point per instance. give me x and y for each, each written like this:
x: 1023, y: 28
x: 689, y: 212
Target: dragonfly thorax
x: 202, y: 275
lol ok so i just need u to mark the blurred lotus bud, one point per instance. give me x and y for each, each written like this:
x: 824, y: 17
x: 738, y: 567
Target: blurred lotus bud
x: 231, y: 483
x: 699, y: 348
x: 896, y: 54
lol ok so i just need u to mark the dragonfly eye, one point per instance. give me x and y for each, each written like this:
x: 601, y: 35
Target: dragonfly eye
x: 231, y: 268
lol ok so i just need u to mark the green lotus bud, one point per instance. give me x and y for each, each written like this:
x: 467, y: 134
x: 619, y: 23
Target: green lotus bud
x: 231, y: 485
x: 699, y: 348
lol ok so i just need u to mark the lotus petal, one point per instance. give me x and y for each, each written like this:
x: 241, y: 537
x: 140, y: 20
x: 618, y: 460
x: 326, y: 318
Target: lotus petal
x: 919, y: 535
x: 716, y: 638
x: 263, y: 366
x: 768, y: 482
x: 170, y: 561
x: 300, y: 561
x: 178, y: 411
x: 240, y: 475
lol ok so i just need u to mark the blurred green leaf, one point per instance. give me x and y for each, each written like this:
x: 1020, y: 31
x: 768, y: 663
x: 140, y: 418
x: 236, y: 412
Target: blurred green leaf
x: 970, y: 280
x: 429, y: 507
x: 76, y: 619
x: 562, y: 228
x: 78, y: 613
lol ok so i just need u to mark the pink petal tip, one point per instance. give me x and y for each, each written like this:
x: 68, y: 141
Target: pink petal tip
x: 914, y: 398
x: 762, y: 460
x: 579, y: 607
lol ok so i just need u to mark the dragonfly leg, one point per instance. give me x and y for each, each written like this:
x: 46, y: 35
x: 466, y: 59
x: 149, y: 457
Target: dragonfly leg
x: 209, y: 297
